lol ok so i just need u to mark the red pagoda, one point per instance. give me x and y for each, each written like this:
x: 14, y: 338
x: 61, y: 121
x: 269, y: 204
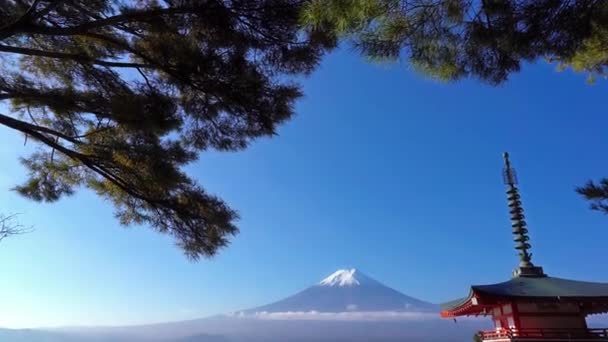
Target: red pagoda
x: 532, y: 306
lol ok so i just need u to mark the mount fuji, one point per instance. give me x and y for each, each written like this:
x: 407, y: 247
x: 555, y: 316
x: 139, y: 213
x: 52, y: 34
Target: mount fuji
x: 346, y: 306
x: 347, y: 290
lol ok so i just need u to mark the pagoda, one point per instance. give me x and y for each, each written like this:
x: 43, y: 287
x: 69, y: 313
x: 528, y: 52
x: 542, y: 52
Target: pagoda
x: 532, y: 306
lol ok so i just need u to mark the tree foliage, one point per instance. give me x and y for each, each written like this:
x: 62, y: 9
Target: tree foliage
x: 592, y: 56
x: 120, y: 95
x: 488, y: 39
x: 597, y: 194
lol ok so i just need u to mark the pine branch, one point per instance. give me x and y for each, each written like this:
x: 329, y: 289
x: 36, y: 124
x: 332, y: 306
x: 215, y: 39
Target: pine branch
x: 69, y: 56
x: 132, y: 16
x: 27, y: 127
x: 597, y: 194
x: 35, y: 132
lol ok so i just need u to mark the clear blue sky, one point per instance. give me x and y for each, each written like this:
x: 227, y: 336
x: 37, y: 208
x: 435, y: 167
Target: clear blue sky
x: 381, y: 169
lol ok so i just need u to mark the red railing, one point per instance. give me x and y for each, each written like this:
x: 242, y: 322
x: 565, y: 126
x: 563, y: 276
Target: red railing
x: 501, y: 334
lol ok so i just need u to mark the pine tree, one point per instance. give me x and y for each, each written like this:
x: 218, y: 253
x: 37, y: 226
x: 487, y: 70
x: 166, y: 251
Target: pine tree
x: 488, y: 39
x: 120, y: 95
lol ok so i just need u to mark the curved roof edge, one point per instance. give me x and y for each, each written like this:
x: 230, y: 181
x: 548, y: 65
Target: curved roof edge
x: 530, y: 288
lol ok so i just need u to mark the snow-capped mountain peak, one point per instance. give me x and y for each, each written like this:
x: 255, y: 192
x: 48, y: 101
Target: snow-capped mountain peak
x: 347, y: 290
x: 347, y: 277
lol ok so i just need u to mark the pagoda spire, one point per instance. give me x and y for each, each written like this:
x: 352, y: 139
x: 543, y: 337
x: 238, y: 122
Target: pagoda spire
x: 520, y: 232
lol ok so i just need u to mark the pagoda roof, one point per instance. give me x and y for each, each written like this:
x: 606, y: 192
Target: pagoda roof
x: 532, y: 288
x: 544, y: 287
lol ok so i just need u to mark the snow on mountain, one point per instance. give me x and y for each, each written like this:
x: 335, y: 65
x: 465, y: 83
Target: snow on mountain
x: 345, y: 278
x: 347, y: 290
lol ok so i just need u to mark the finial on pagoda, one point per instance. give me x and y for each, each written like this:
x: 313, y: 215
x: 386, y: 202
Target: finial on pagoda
x: 520, y: 232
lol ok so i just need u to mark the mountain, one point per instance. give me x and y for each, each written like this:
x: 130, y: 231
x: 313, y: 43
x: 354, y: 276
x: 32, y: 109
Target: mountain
x: 347, y: 290
x: 345, y: 306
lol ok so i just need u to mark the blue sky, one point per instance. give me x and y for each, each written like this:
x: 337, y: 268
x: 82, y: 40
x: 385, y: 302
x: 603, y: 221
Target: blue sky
x: 381, y: 169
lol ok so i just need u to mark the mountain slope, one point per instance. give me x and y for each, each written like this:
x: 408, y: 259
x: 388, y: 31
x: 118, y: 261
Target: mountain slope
x: 348, y: 290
